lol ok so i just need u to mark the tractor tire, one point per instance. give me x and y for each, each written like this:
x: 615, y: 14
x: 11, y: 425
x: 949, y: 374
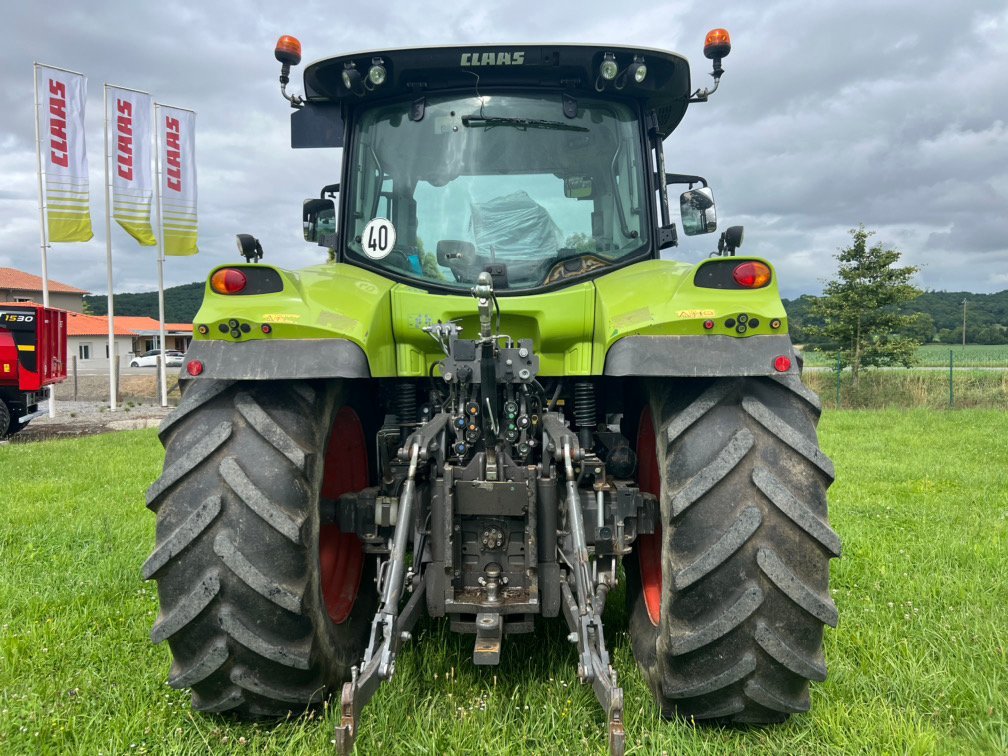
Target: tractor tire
x: 6, y: 421
x: 729, y: 600
x: 264, y: 608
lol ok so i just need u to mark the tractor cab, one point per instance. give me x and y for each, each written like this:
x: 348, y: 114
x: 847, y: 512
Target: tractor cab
x: 534, y: 164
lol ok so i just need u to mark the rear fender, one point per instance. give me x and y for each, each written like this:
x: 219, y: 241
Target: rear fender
x: 653, y: 320
x: 327, y: 321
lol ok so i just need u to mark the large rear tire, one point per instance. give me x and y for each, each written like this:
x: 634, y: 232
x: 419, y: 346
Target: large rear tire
x: 729, y: 625
x: 258, y: 623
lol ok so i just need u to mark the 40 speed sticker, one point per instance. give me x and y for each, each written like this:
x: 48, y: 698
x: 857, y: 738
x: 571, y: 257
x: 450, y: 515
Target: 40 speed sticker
x: 378, y: 239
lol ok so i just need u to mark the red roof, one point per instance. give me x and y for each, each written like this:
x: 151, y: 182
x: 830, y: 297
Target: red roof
x: 97, y: 325
x: 17, y: 280
x: 187, y: 327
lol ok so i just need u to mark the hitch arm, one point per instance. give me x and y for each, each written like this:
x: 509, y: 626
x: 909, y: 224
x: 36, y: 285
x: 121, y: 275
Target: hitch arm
x: 388, y: 628
x: 584, y: 620
x: 364, y: 684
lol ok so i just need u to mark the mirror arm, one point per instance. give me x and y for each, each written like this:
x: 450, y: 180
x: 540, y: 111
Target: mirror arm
x: 685, y: 178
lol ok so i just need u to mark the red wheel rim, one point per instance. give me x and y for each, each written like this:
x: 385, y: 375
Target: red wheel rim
x: 649, y: 546
x: 341, y: 555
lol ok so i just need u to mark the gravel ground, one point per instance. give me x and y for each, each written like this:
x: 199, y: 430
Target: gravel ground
x: 75, y: 419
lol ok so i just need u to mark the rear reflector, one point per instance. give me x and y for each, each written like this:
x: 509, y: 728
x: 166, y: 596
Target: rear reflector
x: 228, y: 281
x: 752, y: 275
x: 782, y: 364
x: 194, y: 368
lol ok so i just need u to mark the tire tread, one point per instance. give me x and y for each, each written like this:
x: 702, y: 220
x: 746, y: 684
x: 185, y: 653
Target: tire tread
x: 746, y: 550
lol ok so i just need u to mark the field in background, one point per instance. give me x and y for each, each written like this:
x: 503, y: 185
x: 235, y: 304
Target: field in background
x: 979, y: 380
x: 918, y: 664
x: 978, y: 355
x: 900, y: 388
x: 937, y: 355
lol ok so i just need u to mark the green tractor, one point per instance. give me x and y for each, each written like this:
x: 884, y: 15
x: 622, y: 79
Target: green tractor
x: 494, y: 403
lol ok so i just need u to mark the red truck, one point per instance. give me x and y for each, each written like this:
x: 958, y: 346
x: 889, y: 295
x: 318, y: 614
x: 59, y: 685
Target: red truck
x: 33, y: 356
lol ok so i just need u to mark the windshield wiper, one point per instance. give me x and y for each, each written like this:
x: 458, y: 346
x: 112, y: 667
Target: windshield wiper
x: 519, y: 123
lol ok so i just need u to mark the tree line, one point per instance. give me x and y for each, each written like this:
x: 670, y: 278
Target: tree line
x: 181, y: 303
x: 939, y: 317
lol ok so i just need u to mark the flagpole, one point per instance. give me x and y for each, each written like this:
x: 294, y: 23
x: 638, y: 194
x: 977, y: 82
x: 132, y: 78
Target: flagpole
x: 42, y: 218
x: 112, y: 357
x: 160, y: 255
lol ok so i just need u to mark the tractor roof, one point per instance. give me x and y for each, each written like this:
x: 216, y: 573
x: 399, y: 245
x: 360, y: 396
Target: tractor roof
x: 570, y: 68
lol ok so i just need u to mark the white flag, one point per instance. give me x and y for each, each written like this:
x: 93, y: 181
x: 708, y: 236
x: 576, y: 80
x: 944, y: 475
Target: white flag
x: 68, y: 200
x: 132, y: 179
x: 177, y: 145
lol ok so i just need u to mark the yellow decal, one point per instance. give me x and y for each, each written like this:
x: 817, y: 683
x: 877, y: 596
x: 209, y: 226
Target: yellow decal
x: 281, y: 317
x: 26, y: 348
x: 696, y: 313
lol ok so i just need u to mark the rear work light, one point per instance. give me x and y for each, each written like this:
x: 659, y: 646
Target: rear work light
x: 228, y: 281
x: 751, y: 275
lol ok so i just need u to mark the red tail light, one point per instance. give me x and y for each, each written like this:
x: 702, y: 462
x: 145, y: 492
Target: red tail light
x: 194, y: 368
x: 228, y: 281
x: 752, y: 275
x: 782, y: 364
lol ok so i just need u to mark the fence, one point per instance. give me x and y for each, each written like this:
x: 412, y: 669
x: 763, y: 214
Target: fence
x: 93, y: 386
x: 976, y: 376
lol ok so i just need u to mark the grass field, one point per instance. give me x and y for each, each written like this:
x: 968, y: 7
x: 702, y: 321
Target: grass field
x: 918, y: 664
x: 937, y: 355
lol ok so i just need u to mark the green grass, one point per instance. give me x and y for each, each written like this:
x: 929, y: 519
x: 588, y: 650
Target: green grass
x: 937, y: 355
x: 918, y: 664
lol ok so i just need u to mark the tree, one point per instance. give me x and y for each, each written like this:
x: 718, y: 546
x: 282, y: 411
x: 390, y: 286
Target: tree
x: 921, y: 328
x: 861, y: 322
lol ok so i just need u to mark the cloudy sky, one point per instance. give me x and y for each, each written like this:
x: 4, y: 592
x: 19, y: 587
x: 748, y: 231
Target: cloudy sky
x: 830, y: 114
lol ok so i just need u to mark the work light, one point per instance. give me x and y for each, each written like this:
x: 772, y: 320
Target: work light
x: 608, y: 69
x: 351, y: 76
x: 638, y: 68
x: 377, y: 72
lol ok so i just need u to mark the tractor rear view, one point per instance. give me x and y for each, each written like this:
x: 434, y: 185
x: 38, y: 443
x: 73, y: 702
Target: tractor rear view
x: 494, y: 403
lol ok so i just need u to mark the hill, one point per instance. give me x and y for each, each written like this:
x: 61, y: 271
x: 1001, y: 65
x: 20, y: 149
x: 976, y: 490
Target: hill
x: 986, y: 316
x: 181, y: 303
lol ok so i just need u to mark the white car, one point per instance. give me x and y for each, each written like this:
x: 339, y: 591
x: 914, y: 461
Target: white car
x: 149, y: 359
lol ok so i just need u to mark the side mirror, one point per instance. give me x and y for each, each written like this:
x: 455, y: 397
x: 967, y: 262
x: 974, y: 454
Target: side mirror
x: 699, y: 216
x: 578, y: 187
x: 319, y: 217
